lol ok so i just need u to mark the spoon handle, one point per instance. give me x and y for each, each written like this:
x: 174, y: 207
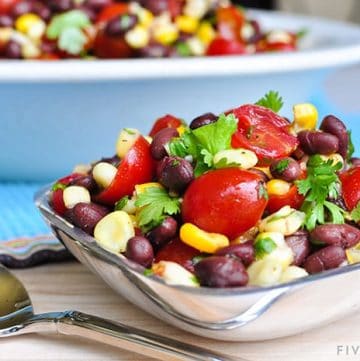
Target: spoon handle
x: 116, y: 334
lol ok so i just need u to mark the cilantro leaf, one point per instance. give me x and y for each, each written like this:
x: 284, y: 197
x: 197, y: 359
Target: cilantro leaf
x: 322, y: 183
x: 57, y: 186
x: 355, y: 213
x: 72, y: 40
x: 271, y: 100
x: 264, y: 247
x: 155, y: 203
x: 282, y: 165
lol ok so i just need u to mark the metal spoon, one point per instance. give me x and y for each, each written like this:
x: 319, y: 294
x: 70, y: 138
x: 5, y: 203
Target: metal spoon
x: 17, y: 318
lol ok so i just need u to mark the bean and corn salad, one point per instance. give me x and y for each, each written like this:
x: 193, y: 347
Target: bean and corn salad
x: 88, y: 29
x: 246, y: 197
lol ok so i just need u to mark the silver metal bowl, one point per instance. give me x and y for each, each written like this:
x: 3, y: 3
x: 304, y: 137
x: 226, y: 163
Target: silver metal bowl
x: 236, y: 314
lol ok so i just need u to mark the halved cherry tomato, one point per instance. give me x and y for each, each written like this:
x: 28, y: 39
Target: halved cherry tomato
x: 111, y: 11
x: 137, y: 167
x: 291, y: 198
x: 230, y: 20
x: 167, y: 121
x: 350, y: 181
x: 110, y: 47
x: 221, y: 46
x: 6, y: 6
x: 57, y: 202
x: 179, y: 252
x: 227, y: 201
x: 264, y: 132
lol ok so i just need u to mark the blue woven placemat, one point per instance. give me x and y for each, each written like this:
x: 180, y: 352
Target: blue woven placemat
x: 25, y: 239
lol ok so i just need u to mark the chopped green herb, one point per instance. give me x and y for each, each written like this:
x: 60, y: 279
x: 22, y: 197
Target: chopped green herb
x: 183, y: 49
x: 263, y: 193
x: 148, y: 272
x: 271, y: 100
x: 351, y: 147
x: 355, y: 213
x: 130, y: 131
x: 119, y: 205
x: 282, y: 165
x: 57, y: 186
x: 155, y: 203
x: 321, y: 184
x: 302, y: 33
x: 264, y: 247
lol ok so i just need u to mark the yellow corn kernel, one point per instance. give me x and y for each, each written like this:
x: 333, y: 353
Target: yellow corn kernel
x: 181, y: 129
x: 201, y: 240
x: 125, y: 141
x: 187, y: 24
x: 166, y: 34
x: 114, y: 231
x: 104, y: 173
x: 206, y: 33
x: 277, y: 187
x: 5, y: 34
x: 29, y: 50
x: 140, y: 188
x: 138, y: 37
x: 145, y: 17
x: 26, y: 21
x: 196, y: 46
x: 305, y: 117
x: 75, y: 194
x: 292, y: 273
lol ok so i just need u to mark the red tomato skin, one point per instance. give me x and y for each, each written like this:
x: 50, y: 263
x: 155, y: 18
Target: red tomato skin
x: 230, y: 20
x: 178, y: 252
x: 6, y: 6
x: 111, y: 11
x: 350, y: 181
x: 225, y: 201
x: 264, y: 132
x: 221, y: 46
x: 136, y: 168
x: 167, y: 121
x: 292, y: 199
x: 57, y: 202
x: 107, y: 47
x: 69, y: 178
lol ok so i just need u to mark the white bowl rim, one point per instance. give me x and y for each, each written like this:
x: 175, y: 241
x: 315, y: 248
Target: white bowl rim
x: 346, y: 34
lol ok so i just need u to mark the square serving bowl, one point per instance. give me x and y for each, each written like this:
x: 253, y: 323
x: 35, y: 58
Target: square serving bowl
x: 57, y: 114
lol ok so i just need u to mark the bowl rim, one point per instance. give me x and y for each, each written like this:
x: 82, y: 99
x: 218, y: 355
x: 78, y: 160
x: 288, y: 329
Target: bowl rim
x: 343, y: 53
x: 41, y: 202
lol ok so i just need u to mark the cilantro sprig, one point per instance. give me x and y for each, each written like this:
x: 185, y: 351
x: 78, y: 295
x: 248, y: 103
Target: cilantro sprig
x: 155, y: 203
x: 271, y: 100
x: 263, y: 247
x: 203, y: 143
x: 322, y: 183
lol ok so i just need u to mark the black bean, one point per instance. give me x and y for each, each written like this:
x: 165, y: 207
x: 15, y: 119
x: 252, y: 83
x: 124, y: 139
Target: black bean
x: 163, y: 233
x: 342, y: 235
x: 161, y: 139
x: 300, y: 245
x: 97, y: 5
x: 175, y: 173
x: 59, y: 6
x: 202, y: 120
x: 87, y: 215
x: 115, y: 161
x: 140, y: 250
x: 43, y: 11
x: 155, y: 6
x: 119, y: 25
x: 326, y: 258
x: 87, y: 181
x: 13, y: 50
x: 315, y: 142
x: 91, y: 14
x: 221, y: 271
x: 335, y: 126
x: 244, y: 251
x: 6, y: 21
x: 287, y: 169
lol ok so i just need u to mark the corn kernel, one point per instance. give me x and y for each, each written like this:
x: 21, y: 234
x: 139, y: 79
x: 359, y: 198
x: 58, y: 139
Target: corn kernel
x: 114, y: 231
x: 5, y: 34
x: 148, y: 138
x: 195, y: 45
x: 75, y: 194
x: 29, y: 50
x: 166, y: 34
x: 25, y: 22
x: 196, y: 8
x: 206, y: 33
x: 104, y: 174
x: 187, y: 24
x: 240, y: 157
x: 305, y: 117
x: 265, y: 272
x: 138, y: 37
x: 145, y: 17
x: 336, y: 158
x: 292, y: 273
x: 278, y: 187
x: 201, y: 240
x: 82, y: 169
x: 125, y: 141
x: 174, y: 274
x: 140, y: 188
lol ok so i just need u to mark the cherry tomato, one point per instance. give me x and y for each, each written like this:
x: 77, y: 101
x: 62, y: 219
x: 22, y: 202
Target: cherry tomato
x: 179, y: 252
x: 350, y: 181
x: 108, y: 47
x: 264, y: 132
x: 70, y: 178
x: 167, y: 121
x: 221, y: 46
x: 6, y: 6
x: 227, y: 201
x: 137, y: 167
x: 57, y: 202
x: 230, y: 20
x: 111, y: 11
x: 281, y: 47
x: 291, y: 198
